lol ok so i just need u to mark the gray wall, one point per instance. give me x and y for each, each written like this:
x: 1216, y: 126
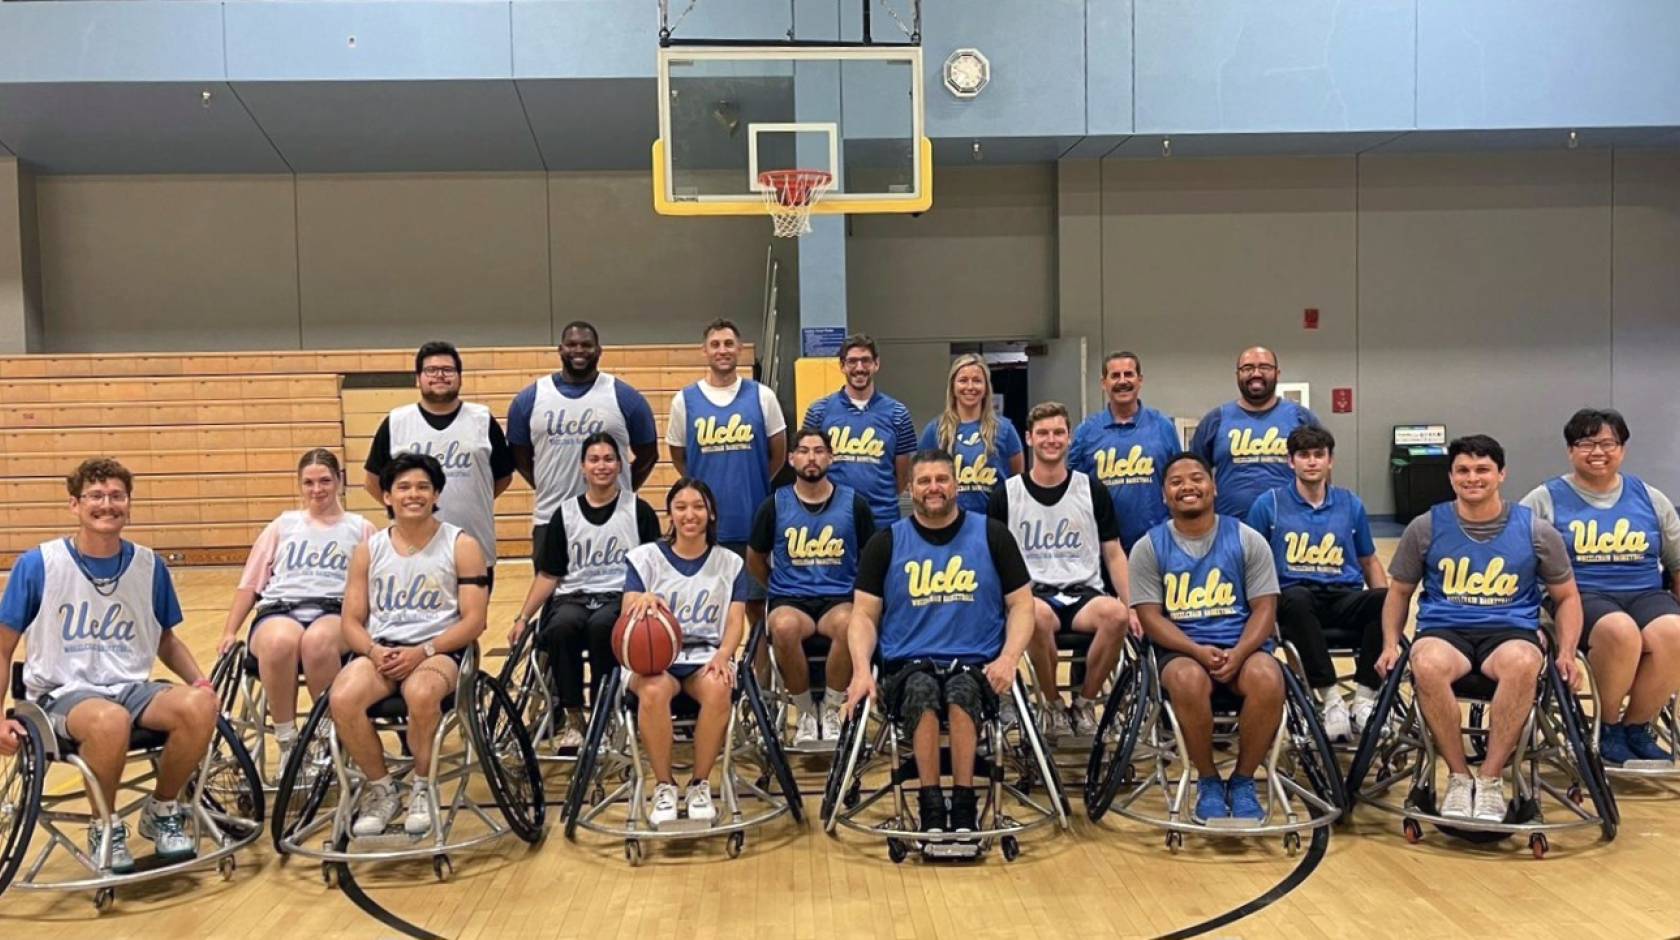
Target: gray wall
x: 20, y: 280
x: 1492, y: 292
x: 255, y: 262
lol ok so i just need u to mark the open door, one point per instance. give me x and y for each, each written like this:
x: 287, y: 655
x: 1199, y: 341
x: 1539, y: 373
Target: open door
x: 1060, y: 375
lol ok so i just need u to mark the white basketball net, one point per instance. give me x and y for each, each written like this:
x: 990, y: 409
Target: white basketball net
x: 789, y: 196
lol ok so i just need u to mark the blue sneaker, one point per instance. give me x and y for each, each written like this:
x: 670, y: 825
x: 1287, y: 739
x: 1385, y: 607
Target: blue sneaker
x: 1643, y: 744
x: 1244, y: 803
x: 1613, y: 744
x: 1210, y: 799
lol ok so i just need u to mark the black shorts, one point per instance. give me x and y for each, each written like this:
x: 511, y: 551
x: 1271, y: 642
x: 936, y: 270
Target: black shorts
x: 911, y: 687
x: 814, y: 607
x: 1642, y: 606
x: 1225, y: 694
x: 1066, y: 602
x: 1478, y: 643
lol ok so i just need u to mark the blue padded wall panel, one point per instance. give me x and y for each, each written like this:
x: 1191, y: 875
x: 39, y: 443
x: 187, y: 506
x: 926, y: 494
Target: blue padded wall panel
x: 1108, y: 66
x: 97, y: 40
x: 326, y: 40
x: 1037, y: 52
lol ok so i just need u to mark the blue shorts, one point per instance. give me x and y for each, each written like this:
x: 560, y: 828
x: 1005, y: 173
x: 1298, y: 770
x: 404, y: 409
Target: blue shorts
x: 681, y: 671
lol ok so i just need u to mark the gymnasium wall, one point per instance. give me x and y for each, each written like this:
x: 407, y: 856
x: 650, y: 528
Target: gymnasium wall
x: 1491, y: 292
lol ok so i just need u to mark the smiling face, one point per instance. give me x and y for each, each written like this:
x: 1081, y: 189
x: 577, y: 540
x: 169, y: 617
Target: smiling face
x: 580, y: 351
x: 1049, y: 439
x: 439, y: 379
x: 1189, y: 490
x: 970, y: 386
x: 601, y: 466
x: 1123, y: 381
x: 690, y: 515
x: 102, y: 507
x: 412, y: 496
x: 723, y: 350
x: 1257, y: 375
x: 1476, y: 480
x: 860, y: 366
x: 1598, y: 456
x: 319, y: 486
x: 933, y: 487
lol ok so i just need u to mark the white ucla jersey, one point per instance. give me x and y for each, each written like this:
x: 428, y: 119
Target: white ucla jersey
x: 84, y: 641
x: 558, y: 427
x: 700, y: 602
x: 312, y: 561
x: 595, y: 553
x: 1059, y: 543
x: 412, y: 598
x: 469, y: 493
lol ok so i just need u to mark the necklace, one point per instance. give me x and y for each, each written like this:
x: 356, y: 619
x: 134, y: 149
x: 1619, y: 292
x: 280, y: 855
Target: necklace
x: 104, y: 587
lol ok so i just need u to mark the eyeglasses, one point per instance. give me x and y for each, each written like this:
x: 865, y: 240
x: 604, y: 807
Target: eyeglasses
x: 103, y: 499
x: 857, y: 361
x: 1597, y: 447
x: 439, y: 372
x: 1257, y: 370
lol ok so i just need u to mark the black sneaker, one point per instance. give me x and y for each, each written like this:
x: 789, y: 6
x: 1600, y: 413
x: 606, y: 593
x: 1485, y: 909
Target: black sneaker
x: 965, y: 809
x: 932, y: 807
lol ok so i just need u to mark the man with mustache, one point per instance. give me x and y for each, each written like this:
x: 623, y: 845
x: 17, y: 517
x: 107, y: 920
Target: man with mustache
x: 1245, y: 440
x: 549, y: 420
x: 870, y: 432
x: 1126, y: 445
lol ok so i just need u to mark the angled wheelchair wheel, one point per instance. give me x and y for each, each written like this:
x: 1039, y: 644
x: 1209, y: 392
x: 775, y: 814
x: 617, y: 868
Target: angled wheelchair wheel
x: 20, y: 801
x: 1314, y: 754
x: 309, y: 789
x: 1366, y: 754
x: 224, y: 676
x: 589, y: 759
x: 509, y: 761
x: 525, y: 689
x: 232, y: 788
x: 1588, y: 766
x: 851, y: 726
x: 1127, y: 706
x: 770, y: 741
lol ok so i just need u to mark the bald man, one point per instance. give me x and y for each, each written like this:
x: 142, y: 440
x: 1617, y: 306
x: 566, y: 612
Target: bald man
x: 1247, y: 440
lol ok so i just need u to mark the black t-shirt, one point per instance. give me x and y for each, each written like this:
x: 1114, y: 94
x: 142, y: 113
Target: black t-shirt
x: 501, y: 455
x: 554, y: 557
x: 1108, y: 524
x: 1006, y: 555
x: 763, y: 537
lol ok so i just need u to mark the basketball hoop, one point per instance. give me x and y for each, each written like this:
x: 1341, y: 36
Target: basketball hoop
x: 789, y: 196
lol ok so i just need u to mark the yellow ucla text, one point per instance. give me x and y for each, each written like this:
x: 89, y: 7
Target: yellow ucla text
x: 952, y: 579
x: 1245, y: 444
x: 707, y: 433
x: 1213, y: 592
x: 978, y: 474
x: 1623, y: 539
x: 844, y: 443
x: 1299, y: 549
x: 802, y: 546
x: 1458, y: 580
x: 1132, y: 468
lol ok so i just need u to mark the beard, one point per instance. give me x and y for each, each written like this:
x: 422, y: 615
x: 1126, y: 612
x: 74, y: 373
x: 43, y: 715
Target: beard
x: 813, y: 473
x: 440, y: 398
x: 1268, y: 389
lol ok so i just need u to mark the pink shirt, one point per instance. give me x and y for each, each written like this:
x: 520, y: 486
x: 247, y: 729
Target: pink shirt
x: 260, y: 565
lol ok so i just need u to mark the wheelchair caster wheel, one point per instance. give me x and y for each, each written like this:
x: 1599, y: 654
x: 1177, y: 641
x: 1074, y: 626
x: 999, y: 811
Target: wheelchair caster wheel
x: 897, y: 850
x: 1175, y: 842
x: 1413, y: 831
x: 329, y: 875
x: 737, y: 841
x: 850, y: 800
x: 1576, y: 796
x: 1538, y: 845
x: 1011, y: 848
x: 442, y: 868
x: 226, y: 867
x: 1292, y: 843
x: 633, y: 852
x: 104, y: 899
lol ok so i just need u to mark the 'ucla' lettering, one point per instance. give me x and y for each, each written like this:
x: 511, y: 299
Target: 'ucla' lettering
x: 1458, y: 580
x: 1620, y: 540
x: 1214, y: 592
x: 328, y: 557
x: 953, y: 579
x: 701, y: 609
x: 586, y: 554
x: 452, y: 457
x: 564, y: 424
x: 976, y: 475
x: 421, y: 593
x: 803, y: 546
x: 1299, y: 549
x: 1035, y: 538
x: 845, y: 444
x: 1245, y: 444
x: 109, y: 625
x: 1113, y: 470
x: 708, y: 434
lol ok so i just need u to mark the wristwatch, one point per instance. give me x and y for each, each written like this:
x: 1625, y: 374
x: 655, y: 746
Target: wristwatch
x: 429, y: 648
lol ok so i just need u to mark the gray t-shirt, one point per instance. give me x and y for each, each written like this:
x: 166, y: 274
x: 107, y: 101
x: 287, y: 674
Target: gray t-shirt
x: 1539, y: 499
x: 1259, y: 570
x: 1411, y: 556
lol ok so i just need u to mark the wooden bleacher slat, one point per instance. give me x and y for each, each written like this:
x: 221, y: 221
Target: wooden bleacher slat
x: 168, y: 389
x: 144, y: 414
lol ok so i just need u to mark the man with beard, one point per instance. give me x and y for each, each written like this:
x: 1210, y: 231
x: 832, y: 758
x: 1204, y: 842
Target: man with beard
x: 870, y: 432
x: 550, y: 418
x: 464, y: 437
x: 805, y: 544
x: 728, y: 431
x: 947, y: 596
x: 1204, y: 586
x: 1126, y: 445
x: 1065, y: 526
x: 1246, y: 440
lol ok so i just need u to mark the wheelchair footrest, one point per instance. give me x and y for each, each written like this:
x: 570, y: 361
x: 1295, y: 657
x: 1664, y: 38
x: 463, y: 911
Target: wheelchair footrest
x: 1228, y: 822
x: 1645, y: 765
x: 392, y: 840
x: 684, y: 824
x: 953, y: 850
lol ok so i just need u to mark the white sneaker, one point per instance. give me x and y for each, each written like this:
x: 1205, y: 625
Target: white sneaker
x: 664, y: 808
x: 419, y: 821
x: 1490, y: 799
x: 699, y: 801
x: 1460, y: 797
x: 379, y: 805
x: 806, y: 731
x: 286, y: 748
x: 1006, y: 712
x: 570, y: 739
x: 1337, y: 726
x: 831, y: 721
x: 1084, y: 714
x: 1055, y: 722
x: 1360, y: 714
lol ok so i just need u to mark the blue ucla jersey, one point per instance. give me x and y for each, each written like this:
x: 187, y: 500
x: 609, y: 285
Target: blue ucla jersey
x: 1206, y: 597
x: 727, y: 447
x: 1128, y: 460
x: 866, y: 444
x: 1251, y: 453
x: 1312, y: 546
x: 815, y: 553
x: 1470, y: 584
x: 942, y: 602
x: 979, y: 470
x: 1615, y: 549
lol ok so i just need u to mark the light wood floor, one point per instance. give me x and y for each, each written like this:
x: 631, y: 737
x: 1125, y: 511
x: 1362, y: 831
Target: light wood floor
x: 1116, y: 879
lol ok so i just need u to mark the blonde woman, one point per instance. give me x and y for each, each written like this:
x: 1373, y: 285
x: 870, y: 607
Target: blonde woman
x: 987, y: 448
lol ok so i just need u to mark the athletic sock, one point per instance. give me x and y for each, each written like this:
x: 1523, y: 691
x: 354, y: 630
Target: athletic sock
x: 164, y: 808
x: 285, y: 732
x: 384, y: 781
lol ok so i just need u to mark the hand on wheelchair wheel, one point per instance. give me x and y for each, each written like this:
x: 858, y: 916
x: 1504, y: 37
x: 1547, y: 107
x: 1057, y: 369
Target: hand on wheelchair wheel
x: 1387, y: 661
x: 11, y: 736
x: 862, y: 687
x: 1570, y: 670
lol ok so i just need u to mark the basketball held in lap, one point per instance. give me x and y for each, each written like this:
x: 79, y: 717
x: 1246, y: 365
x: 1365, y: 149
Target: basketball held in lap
x: 647, y: 645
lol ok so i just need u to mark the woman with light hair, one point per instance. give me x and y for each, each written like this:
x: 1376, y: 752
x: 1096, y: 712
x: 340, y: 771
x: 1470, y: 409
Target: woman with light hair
x: 987, y: 447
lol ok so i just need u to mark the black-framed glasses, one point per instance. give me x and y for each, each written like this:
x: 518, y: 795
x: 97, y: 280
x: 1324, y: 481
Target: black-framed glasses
x: 1257, y: 370
x: 1597, y: 447
x: 439, y: 372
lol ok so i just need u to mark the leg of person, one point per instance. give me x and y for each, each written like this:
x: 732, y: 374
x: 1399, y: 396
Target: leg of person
x: 1041, y: 653
x: 357, y: 687
x: 1359, y: 612
x: 1106, y: 617
x: 562, y: 637
x: 916, y: 695
x: 838, y: 669
x: 965, y: 697
x: 101, y: 728
x: 1613, y: 646
x: 424, y: 690
x: 789, y: 628
x: 277, y: 642
x: 1439, y: 659
x: 653, y: 720
x: 602, y: 662
x: 709, y: 731
x: 1515, y: 665
x: 1658, y: 677
x: 1260, y: 683
x: 1190, y: 689
x: 323, y: 652
x: 188, y: 715
x: 1300, y: 622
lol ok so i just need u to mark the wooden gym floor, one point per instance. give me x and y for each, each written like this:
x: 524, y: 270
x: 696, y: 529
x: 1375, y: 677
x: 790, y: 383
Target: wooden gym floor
x: 1112, y: 880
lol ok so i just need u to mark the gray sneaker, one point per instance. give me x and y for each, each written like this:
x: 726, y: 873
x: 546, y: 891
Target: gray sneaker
x: 168, y: 833
x: 378, y: 805
x: 122, y: 862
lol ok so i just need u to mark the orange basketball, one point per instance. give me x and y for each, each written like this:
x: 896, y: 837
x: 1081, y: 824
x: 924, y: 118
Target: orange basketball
x: 649, y: 644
